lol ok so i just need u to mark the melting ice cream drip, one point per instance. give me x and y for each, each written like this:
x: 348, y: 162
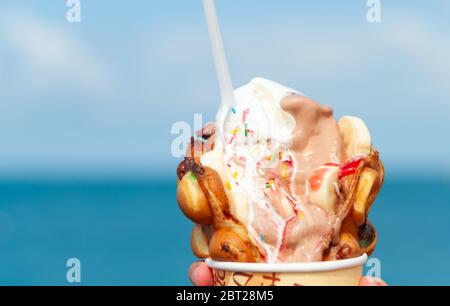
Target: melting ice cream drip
x: 257, y: 135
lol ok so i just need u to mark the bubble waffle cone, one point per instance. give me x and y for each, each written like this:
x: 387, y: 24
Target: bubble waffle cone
x: 220, y: 235
x: 226, y: 237
x: 358, y: 235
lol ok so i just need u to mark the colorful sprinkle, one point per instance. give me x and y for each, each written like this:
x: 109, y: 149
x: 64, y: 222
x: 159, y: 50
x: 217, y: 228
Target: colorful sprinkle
x: 262, y: 237
x: 273, y: 157
x: 233, y: 110
x: 235, y: 175
x: 284, y: 174
x: 270, y: 184
x: 301, y: 215
x: 244, y: 116
x: 229, y: 187
x: 280, y: 155
x: 232, y: 139
x: 235, y: 131
x: 192, y: 177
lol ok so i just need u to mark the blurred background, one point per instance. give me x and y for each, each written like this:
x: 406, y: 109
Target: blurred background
x: 86, y: 111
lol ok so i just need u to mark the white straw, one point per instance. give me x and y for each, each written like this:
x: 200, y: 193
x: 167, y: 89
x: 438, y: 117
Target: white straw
x: 223, y: 73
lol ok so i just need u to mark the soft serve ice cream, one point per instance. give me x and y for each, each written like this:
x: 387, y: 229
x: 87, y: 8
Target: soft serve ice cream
x: 274, y: 139
x: 283, y: 160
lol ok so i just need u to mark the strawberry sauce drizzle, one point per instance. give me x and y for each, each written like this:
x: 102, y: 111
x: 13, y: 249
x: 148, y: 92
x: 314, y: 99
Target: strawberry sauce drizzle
x: 348, y: 168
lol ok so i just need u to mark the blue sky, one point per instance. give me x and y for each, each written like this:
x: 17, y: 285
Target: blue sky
x: 100, y: 97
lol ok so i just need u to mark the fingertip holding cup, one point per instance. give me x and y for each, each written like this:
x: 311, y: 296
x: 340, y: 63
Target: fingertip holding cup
x: 346, y: 272
x: 200, y: 274
x: 372, y: 282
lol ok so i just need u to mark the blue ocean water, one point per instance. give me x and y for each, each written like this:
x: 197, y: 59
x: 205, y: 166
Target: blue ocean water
x: 131, y: 232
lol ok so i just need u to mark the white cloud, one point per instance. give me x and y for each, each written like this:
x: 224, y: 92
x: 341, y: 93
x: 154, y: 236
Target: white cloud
x: 48, y: 54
